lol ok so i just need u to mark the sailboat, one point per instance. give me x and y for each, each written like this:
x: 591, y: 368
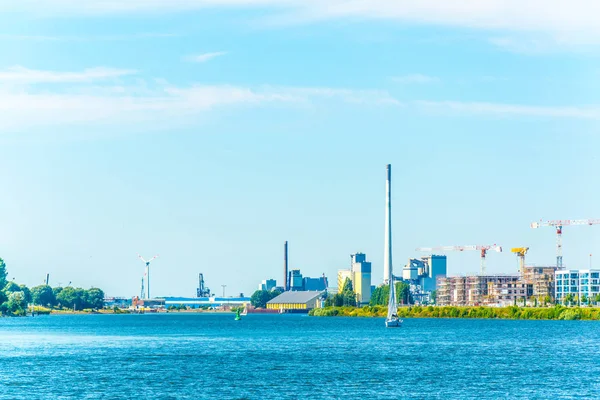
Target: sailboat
x: 392, y: 320
x: 245, y: 310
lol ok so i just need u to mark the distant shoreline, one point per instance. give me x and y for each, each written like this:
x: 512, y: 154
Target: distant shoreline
x: 512, y: 312
x: 123, y: 312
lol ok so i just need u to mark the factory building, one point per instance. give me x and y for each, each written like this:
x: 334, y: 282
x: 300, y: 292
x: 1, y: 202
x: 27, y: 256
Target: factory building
x: 361, y: 277
x: 267, y: 284
x: 296, y: 302
x: 425, y: 271
x: 314, y: 284
x: 581, y: 283
x: 295, y: 280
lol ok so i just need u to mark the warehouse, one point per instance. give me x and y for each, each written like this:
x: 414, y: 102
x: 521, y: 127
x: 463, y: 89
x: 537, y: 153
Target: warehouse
x: 296, y: 302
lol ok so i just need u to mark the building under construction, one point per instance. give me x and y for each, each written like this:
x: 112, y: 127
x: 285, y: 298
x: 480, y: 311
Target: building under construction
x: 542, y: 279
x: 498, y: 290
x: 481, y: 290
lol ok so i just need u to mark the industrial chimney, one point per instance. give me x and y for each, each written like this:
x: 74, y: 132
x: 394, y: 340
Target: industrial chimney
x: 285, y: 267
x: 387, y: 257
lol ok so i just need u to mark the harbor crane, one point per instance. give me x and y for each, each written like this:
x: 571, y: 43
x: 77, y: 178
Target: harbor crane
x: 483, y: 249
x: 147, y: 273
x: 558, y: 224
x: 520, y: 252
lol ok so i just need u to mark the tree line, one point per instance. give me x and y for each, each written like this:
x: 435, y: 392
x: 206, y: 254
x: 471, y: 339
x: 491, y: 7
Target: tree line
x: 381, y: 294
x: 14, y: 298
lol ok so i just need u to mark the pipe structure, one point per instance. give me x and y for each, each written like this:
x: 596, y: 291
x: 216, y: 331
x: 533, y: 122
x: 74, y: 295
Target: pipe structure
x: 387, y: 257
x: 285, y: 267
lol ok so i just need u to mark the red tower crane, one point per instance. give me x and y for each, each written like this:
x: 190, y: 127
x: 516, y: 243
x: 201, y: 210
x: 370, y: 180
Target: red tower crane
x: 558, y: 224
x: 483, y: 249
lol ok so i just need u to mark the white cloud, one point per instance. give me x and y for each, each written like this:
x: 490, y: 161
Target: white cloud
x: 21, y: 75
x: 457, y: 107
x: 415, y: 78
x: 200, y: 58
x: 575, y: 20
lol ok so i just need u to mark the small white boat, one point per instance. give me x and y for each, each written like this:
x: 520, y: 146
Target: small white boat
x: 244, y: 311
x: 392, y: 320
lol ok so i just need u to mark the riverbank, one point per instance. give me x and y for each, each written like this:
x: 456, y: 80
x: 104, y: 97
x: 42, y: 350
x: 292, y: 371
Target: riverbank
x: 540, y: 313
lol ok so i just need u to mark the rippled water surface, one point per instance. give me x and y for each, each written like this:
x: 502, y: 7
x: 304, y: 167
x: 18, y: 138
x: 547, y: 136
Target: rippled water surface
x: 201, y: 356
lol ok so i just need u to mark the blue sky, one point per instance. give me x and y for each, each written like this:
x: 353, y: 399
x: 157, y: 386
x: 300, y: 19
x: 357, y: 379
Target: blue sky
x: 210, y: 132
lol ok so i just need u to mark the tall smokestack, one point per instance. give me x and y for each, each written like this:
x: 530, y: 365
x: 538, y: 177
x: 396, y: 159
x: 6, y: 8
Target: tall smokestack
x: 387, y: 257
x: 285, y: 267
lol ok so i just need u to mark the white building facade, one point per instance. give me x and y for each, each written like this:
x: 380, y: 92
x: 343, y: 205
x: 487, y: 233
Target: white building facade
x: 581, y: 283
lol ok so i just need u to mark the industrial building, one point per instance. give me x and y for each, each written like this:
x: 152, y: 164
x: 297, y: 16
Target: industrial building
x: 295, y: 280
x: 361, y: 278
x: 296, y: 302
x: 583, y: 283
x: 267, y: 284
x: 425, y: 271
x: 315, y: 284
x: 211, y: 302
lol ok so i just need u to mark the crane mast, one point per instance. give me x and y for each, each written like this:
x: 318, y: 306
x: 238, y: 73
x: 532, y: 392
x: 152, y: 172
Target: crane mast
x: 558, y: 225
x: 483, y: 250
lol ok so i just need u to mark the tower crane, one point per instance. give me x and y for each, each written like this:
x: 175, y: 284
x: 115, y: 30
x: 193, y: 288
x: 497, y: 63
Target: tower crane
x: 558, y: 224
x: 483, y: 249
x: 520, y: 252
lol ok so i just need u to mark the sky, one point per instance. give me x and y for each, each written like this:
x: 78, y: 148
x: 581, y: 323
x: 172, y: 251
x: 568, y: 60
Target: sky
x: 210, y: 132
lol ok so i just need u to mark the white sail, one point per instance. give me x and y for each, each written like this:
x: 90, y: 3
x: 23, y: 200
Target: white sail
x: 392, y: 306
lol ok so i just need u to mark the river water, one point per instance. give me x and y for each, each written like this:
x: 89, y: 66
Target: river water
x: 211, y: 356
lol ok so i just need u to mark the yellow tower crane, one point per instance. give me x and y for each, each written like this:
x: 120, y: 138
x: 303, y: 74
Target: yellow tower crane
x: 520, y: 252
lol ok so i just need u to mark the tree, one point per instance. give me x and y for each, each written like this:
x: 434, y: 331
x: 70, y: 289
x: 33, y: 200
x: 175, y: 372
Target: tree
x: 547, y: 299
x: 381, y: 294
x: 11, y: 287
x: 433, y: 296
x: 70, y: 297
x: 95, y: 298
x: 347, y: 286
x: 597, y: 299
x: 568, y: 299
x: 3, y: 273
x: 584, y: 299
x: 43, y: 295
x: 260, y: 298
x: 26, y: 292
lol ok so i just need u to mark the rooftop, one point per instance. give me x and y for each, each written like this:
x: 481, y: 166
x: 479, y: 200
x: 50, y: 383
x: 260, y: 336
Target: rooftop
x: 296, y: 297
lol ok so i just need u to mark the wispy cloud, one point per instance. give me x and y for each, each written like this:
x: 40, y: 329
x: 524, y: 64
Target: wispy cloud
x: 415, y: 78
x: 570, y: 21
x: 200, y: 58
x: 21, y: 75
x: 24, y: 105
x: 484, y: 108
x: 86, y: 38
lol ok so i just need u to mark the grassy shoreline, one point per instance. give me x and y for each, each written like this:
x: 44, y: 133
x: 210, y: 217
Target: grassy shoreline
x: 513, y: 312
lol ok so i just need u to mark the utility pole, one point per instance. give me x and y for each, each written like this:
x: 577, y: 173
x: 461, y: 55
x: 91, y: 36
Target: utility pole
x: 224, y: 286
